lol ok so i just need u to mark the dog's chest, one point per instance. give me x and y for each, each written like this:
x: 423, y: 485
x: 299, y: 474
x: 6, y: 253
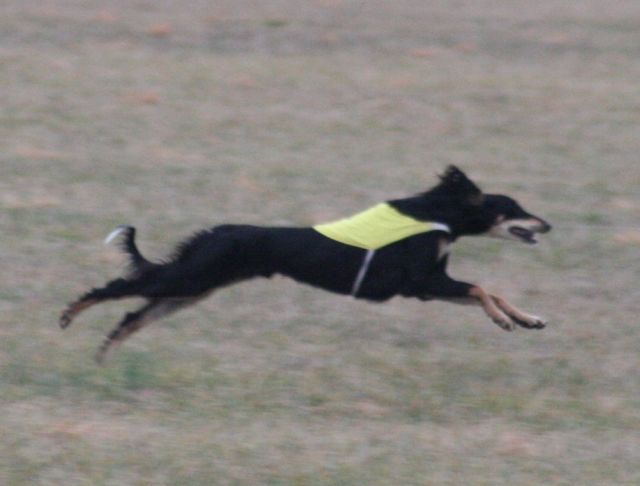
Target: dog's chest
x: 444, y: 247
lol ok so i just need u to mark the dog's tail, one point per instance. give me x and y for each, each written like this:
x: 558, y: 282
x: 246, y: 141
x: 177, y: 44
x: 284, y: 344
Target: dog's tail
x: 137, y: 263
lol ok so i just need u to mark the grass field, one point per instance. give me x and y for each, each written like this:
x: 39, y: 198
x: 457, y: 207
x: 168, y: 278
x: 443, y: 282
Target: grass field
x: 177, y: 115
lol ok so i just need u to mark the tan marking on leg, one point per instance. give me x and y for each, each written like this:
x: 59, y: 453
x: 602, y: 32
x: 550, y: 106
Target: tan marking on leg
x: 526, y: 320
x: 132, y: 322
x: 74, y: 309
x: 135, y: 321
x: 118, y: 336
x: 492, y: 310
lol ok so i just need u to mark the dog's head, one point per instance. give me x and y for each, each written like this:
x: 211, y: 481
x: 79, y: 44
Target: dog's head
x: 490, y: 214
x: 512, y: 222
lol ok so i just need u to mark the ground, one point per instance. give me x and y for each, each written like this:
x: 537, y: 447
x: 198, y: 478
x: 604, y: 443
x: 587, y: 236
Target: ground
x: 173, y: 116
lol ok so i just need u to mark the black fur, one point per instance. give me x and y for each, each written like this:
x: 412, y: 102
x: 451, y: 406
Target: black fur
x: 413, y: 267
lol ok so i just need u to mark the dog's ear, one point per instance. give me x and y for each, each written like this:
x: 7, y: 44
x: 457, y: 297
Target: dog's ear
x: 456, y: 182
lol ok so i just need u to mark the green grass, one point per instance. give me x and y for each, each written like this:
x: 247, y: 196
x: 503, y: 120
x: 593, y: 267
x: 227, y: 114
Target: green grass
x: 172, y: 119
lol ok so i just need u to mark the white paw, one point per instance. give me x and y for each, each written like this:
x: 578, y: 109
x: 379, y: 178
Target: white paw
x: 539, y: 322
x: 532, y: 322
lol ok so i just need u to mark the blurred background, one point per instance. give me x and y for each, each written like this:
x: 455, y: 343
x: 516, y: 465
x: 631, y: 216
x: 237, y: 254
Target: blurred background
x: 173, y: 116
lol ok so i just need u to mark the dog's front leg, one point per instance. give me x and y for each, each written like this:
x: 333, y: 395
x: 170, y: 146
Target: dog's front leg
x: 523, y: 319
x: 496, y: 314
x: 443, y: 287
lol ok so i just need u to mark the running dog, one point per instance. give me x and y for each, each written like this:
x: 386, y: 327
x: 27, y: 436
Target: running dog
x: 400, y: 247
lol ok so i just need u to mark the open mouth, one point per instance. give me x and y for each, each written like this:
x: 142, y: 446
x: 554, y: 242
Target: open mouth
x: 524, y: 234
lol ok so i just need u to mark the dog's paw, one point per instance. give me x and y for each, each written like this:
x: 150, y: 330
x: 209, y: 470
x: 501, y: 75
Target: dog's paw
x: 505, y: 323
x: 531, y: 322
x: 65, y: 319
x: 539, y: 322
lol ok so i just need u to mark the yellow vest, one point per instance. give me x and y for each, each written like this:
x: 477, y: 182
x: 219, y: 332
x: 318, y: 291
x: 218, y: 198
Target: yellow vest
x: 376, y: 227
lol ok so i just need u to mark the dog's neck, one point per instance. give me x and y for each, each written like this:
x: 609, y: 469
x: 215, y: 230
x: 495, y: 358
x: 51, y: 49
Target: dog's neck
x: 461, y: 220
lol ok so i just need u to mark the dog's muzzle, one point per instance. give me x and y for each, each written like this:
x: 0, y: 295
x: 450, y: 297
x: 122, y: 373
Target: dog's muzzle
x: 523, y: 230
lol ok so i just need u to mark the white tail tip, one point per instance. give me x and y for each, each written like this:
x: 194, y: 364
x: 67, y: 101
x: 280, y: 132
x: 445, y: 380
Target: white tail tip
x: 111, y: 236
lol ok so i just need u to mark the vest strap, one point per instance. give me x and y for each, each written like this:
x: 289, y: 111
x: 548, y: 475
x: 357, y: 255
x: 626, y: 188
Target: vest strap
x: 362, y: 273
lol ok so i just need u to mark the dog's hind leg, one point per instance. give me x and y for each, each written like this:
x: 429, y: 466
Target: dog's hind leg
x: 134, y: 321
x: 116, y: 289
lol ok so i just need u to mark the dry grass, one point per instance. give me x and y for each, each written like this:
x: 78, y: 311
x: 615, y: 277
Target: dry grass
x: 173, y: 117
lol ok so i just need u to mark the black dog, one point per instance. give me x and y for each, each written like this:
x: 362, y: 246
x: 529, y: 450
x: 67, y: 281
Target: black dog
x: 406, y: 257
